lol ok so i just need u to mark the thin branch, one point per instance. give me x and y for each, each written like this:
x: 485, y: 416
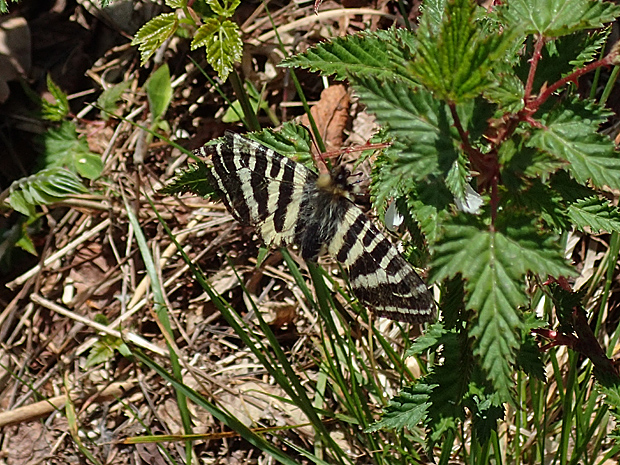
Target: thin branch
x: 533, y: 106
x: 533, y: 66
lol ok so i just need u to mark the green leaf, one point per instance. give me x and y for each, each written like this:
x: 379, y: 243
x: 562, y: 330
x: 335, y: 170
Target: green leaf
x: 176, y: 3
x: 25, y: 241
x: 226, y: 8
x: 17, y: 200
x: 43, y: 188
x: 541, y: 200
x: 529, y: 357
x: 493, y: 264
x: 555, y: 18
x: 451, y: 379
x: 425, y: 141
x: 291, y: 140
x: 570, y: 133
x: 109, y: 97
x: 374, y: 54
x: 429, y: 339
x: 433, y: 12
x: 100, y: 352
x: 519, y: 161
x: 508, y: 94
x: 154, y: 33
x: 159, y: 91
x: 4, y: 8
x: 64, y: 148
x: 193, y: 179
x: 407, y: 409
x: 595, y: 213
x: 455, y: 63
x: 429, y: 215
x: 57, y: 110
x: 456, y: 179
x: 223, y: 44
x: 234, y: 112
x: 591, y: 47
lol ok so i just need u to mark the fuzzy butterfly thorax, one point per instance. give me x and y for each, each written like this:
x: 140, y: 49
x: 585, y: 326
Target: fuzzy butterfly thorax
x: 288, y: 204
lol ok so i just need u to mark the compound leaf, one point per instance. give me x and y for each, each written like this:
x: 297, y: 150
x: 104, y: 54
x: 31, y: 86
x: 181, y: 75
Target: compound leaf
x: 222, y: 42
x: 154, y: 33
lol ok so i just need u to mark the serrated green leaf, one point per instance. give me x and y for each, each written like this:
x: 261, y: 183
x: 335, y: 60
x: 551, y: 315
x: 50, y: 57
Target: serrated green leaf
x: 456, y: 179
x: 508, y: 94
x: 487, y: 409
x: 291, y: 140
x: 529, y: 357
x: 518, y: 162
x: 430, y: 338
x: 430, y: 209
x: 496, y: 298
x: 595, y: 213
x: 541, y: 200
x: 159, y: 91
x: 407, y: 409
x: 529, y: 249
x: 25, y: 242
x: 375, y: 54
x: 455, y: 63
x: 64, y: 148
x: 591, y: 48
x: 57, y: 110
x: 176, y: 3
x: 109, y: 97
x: 222, y: 42
x: 154, y: 33
x: 493, y: 264
x: 99, y: 353
x: 193, y: 179
x: 425, y: 141
x: 555, y: 18
x: 225, y: 8
x: 433, y: 12
x: 452, y: 378
x: 570, y: 133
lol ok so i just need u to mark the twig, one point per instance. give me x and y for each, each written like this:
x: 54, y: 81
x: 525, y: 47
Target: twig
x: 45, y: 407
x: 125, y: 335
x: 60, y: 253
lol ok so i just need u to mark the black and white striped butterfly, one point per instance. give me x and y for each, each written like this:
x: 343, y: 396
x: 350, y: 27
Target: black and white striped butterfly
x: 288, y: 204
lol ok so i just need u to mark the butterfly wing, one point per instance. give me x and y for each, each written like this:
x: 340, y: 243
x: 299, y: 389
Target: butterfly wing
x: 378, y: 273
x: 259, y: 186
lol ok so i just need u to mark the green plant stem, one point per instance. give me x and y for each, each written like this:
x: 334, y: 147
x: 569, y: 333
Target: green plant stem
x: 251, y: 120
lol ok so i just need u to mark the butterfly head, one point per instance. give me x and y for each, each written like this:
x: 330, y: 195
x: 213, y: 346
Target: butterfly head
x: 336, y: 182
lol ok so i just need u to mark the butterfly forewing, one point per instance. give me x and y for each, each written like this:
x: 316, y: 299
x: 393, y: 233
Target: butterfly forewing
x: 287, y: 204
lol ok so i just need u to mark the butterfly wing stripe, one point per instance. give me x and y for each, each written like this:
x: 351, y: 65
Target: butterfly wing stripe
x: 227, y: 183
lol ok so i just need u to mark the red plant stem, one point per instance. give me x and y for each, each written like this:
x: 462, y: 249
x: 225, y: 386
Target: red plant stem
x: 472, y: 152
x: 536, y: 56
x: 533, y: 105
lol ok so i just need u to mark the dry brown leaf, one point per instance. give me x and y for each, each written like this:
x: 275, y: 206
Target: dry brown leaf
x: 331, y: 114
